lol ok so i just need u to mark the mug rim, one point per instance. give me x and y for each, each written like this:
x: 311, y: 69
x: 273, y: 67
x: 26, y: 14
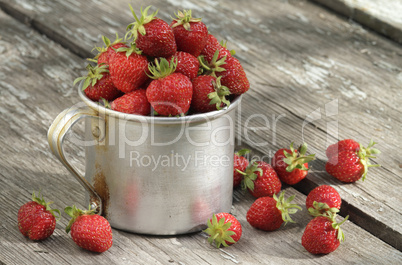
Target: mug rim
x: 199, y: 117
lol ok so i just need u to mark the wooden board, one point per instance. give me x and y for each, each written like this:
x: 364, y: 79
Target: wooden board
x: 315, y: 77
x: 36, y: 84
x: 383, y: 17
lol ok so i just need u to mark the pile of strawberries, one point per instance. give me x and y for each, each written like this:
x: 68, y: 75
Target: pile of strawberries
x: 348, y: 161
x: 177, y: 69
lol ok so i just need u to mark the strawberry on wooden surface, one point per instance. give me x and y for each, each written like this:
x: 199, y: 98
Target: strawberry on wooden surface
x: 223, y: 229
x: 343, y: 145
x: 89, y: 231
x: 291, y: 165
x: 269, y: 213
x: 208, y: 94
x: 323, y: 234
x: 98, y: 83
x: 152, y: 35
x: 190, y: 33
x: 261, y: 179
x: 350, y: 165
x: 321, y: 199
x: 169, y: 93
x: 36, y: 220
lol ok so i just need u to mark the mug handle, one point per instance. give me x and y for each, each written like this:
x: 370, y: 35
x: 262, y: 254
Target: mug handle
x: 56, y: 133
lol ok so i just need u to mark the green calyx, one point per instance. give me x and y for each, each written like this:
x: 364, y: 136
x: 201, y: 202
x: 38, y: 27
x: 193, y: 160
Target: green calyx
x: 95, y: 73
x: 297, y: 159
x: 243, y: 152
x: 214, y: 66
x: 219, y: 95
x: 337, y: 226
x: 224, y: 44
x: 106, y: 103
x: 162, y: 68
x: 249, y: 175
x: 184, y: 18
x: 108, y: 44
x: 138, y: 24
x: 319, y: 208
x: 74, y: 212
x: 129, y: 50
x: 286, y: 207
x: 42, y: 201
x: 364, y: 154
x: 219, y: 232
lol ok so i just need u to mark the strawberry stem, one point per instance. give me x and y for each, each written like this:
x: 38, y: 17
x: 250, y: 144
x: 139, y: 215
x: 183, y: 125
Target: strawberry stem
x: 74, y: 212
x: 219, y: 95
x: 184, y: 18
x: 364, y: 155
x: 219, y: 231
x: 162, y: 68
x: 297, y: 159
x: 95, y: 73
x: 286, y: 207
x: 249, y: 175
x: 319, y: 208
x: 42, y: 201
x: 138, y: 24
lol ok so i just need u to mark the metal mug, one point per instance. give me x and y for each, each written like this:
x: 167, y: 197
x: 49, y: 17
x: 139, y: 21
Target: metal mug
x: 152, y: 175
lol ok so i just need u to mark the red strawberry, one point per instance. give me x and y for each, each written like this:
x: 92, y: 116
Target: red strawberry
x: 128, y: 69
x: 350, y: 166
x: 291, y: 165
x: 88, y: 230
x: 170, y: 93
x: 152, y: 35
x: 190, y: 33
x: 240, y: 163
x: 104, y: 52
x: 98, y: 83
x: 208, y: 94
x: 323, y: 235
x: 261, y: 179
x: 230, y: 70
x: 36, y: 220
x: 187, y: 64
x: 135, y: 102
x: 234, y: 76
x: 343, y: 145
x: 212, y: 46
x: 323, y: 198
x: 224, y: 229
x: 268, y: 213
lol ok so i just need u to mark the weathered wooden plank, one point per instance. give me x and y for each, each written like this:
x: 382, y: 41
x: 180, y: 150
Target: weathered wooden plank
x: 25, y: 169
x: 382, y: 17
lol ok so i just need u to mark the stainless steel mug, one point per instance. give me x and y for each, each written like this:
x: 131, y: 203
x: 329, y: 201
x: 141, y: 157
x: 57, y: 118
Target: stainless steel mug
x: 152, y: 175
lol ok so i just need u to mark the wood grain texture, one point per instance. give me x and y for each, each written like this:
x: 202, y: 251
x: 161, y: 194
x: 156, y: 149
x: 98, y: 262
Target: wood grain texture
x: 381, y: 16
x: 302, y: 62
